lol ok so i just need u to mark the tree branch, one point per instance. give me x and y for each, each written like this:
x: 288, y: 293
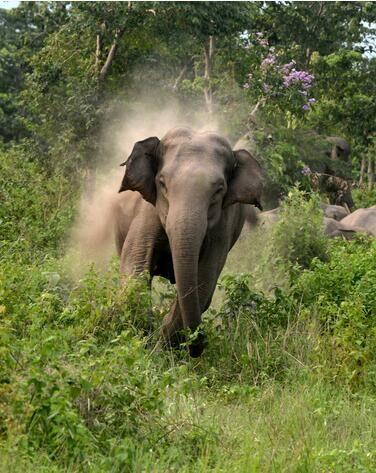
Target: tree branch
x: 111, y: 54
x: 180, y: 76
x: 260, y: 103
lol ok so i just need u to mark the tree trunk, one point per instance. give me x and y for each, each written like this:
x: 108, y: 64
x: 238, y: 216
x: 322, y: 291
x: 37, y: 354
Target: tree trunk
x: 371, y: 172
x: 98, y: 54
x: 101, y: 73
x: 209, y: 55
x: 180, y: 77
x: 111, y: 54
x: 259, y: 104
x: 362, y: 170
x: 90, y: 182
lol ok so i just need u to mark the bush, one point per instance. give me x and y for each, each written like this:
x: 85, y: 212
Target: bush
x: 341, y: 294
x: 364, y: 198
x: 296, y: 239
x: 36, y: 209
x: 284, y: 151
x: 75, y: 374
x: 298, y: 235
x: 251, y: 335
x: 324, y: 318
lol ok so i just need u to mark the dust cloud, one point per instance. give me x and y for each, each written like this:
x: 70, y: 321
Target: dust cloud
x: 91, y: 240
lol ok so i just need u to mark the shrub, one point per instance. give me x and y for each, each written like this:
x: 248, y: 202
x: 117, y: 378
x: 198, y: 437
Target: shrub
x: 364, y: 198
x: 250, y: 333
x: 296, y: 239
x: 35, y: 208
x: 75, y: 373
x: 341, y: 294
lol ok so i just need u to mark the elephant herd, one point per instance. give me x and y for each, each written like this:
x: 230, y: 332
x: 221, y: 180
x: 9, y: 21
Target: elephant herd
x: 181, y: 207
x: 337, y: 220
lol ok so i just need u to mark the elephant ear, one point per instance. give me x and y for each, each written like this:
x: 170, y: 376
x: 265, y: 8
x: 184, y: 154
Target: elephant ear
x: 140, y: 169
x: 246, y: 183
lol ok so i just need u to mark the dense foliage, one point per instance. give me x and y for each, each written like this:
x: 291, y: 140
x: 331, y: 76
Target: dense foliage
x: 84, y: 384
x: 287, y: 382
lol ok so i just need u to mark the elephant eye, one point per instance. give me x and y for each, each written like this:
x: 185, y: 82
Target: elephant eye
x: 162, y: 184
x: 217, y: 193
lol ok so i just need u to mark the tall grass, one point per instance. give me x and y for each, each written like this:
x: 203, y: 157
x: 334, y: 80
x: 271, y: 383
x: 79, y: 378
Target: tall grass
x: 286, y: 383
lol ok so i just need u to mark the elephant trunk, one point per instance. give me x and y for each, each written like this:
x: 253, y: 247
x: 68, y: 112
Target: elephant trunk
x: 186, y: 229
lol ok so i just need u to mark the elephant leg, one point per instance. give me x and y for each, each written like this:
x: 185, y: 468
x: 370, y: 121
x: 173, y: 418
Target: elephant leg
x: 141, y: 242
x: 138, y: 252
x: 172, y: 326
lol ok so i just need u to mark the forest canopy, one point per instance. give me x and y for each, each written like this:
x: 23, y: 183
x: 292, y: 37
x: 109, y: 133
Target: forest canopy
x: 68, y: 68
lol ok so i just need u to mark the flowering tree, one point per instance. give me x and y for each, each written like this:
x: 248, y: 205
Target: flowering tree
x: 273, y: 82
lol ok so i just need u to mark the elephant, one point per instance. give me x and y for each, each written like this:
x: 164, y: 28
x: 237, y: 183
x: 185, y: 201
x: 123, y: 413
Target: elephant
x: 334, y: 174
x: 336, y: 221
x: 337, y: 189
x: 327, y: 160
x: 334, y: 228
x: 340, y: 149
x: 362, y: 218
x: 334, y: 211
x: 185, y: 198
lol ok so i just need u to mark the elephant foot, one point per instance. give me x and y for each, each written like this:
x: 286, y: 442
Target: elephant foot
x: 197, y: 346
x: 178, y: 340
x: 174, y: 335
x: 173, y: 341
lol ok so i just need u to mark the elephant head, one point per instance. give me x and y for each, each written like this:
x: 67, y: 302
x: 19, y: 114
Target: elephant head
x: 340, y: 148
x: 192, y: 179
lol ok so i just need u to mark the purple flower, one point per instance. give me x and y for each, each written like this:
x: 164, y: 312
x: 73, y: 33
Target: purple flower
x: 270, y: 59
x: 295, y: 77
x: 286, y: 68
x: 306, y: 106
x: 306, y: 171
x: 312, y: 100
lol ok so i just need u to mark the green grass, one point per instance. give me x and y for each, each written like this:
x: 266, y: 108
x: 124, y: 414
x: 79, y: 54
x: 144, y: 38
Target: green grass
x: 286, y: 383
x: 302, y: 426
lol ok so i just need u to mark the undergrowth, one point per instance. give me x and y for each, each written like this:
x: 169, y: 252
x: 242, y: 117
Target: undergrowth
x: 287, y: 381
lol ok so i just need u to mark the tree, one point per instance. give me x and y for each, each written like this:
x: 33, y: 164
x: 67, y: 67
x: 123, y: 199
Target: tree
x: 305, y: 28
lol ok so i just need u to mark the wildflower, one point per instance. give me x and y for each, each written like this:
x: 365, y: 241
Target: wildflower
x: 269, y: 60
x: 286, y: 68
x: 306, y: 171
x: 295, y: 77
x: 246, y: 86
x: 306, y: 107
x: 312, y: 100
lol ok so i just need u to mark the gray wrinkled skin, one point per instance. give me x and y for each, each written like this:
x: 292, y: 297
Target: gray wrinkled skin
x: 183, y: 208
